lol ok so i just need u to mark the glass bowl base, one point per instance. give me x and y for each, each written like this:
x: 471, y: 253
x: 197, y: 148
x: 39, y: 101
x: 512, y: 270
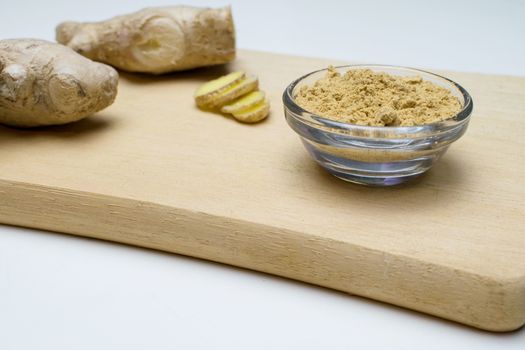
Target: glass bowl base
x: 377, y: 173
x: 374, y: 181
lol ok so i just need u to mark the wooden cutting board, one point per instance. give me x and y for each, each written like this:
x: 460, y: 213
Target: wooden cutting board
x: 154, y: 171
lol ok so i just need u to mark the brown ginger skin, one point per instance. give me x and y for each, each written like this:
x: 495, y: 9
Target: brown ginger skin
x: 44, y: 83
x: 156, y: 40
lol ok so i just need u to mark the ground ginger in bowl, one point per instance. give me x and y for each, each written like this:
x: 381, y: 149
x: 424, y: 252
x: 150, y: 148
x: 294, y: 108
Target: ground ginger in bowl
x: 365, y: 97
x: 376, y: 125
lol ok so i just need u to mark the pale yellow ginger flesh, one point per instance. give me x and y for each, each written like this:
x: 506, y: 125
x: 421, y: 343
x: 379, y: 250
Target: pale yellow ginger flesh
x: 254, y: 113
x: 156, y: 40
x: 208, y: 91
x: 243, y: 103
x: 236, y: 94
x: 44, y: 83
x: 243, y: 87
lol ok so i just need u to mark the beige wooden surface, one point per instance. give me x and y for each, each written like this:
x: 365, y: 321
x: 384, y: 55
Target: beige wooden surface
x: 154, y: 171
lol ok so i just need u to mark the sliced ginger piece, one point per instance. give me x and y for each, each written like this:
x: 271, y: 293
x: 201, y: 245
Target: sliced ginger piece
x: 236, y: 94
x: 244, y: 102
x: 254, y: 113
x: 207, y: 92
x: 247, y: 85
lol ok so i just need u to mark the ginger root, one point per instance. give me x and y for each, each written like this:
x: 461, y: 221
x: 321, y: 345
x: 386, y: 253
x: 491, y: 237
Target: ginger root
x: 235, y: 94
x: 156, y: 40
x: 44, y: 83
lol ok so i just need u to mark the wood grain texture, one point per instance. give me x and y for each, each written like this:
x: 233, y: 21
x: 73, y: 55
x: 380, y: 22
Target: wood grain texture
x: 154, y: 171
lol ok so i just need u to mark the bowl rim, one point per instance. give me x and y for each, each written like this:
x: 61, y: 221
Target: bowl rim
x: 313, y: 118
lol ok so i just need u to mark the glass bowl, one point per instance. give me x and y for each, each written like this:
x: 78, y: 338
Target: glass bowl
x: 376, y: 155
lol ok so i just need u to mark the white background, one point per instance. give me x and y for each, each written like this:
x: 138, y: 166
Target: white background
x: 61, y: 292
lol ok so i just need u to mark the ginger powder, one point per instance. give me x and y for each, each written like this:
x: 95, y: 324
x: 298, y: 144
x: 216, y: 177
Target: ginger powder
x: 365, y: 97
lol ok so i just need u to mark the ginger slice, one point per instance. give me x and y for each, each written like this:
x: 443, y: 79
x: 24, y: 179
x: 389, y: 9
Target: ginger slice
x: 248, y: 84
x: 233, y: 95
x: 254, y: 113
x: 244, y: 102
x: 207, y: 92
